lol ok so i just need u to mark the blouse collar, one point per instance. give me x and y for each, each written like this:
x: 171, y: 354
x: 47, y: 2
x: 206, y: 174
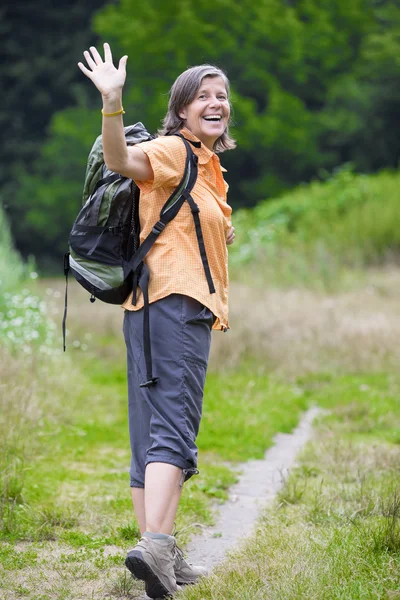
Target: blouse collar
x: 204, y: 153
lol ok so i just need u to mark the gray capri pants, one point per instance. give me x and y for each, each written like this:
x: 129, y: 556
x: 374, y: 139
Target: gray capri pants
x: 164, y: 419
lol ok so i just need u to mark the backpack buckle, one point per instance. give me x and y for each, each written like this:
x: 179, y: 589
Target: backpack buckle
x: 158, y: 227
x: 150, y: 383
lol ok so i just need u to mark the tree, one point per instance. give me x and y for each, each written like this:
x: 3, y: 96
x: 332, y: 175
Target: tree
x: 39, y: 76
x: 314, y: 85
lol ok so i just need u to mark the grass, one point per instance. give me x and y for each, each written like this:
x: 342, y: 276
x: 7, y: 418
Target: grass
x: 321, y: 332
x: 66, y: 499
x: 319, y: 235
x: 275, y: 331
x: 82, y: 461
x: 65, y: 495
x: 334, y: 530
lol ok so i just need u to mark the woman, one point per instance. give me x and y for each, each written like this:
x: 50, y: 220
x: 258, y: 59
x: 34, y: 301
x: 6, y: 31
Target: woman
x: 164, y: 419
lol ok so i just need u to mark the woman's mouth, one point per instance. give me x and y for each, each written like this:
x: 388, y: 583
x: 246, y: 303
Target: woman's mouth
x: 213, y: 118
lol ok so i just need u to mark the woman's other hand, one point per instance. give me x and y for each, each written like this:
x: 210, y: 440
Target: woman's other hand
x: 230, y: 238
x: 108, y: 79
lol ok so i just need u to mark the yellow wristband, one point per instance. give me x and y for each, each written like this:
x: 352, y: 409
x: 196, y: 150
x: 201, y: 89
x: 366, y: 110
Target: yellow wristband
x: 114, y: 114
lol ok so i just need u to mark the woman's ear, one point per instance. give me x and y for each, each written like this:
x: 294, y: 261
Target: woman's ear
x: 182, y: 114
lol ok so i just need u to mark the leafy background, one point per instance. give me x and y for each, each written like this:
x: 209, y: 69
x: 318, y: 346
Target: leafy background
x: 314, y: 86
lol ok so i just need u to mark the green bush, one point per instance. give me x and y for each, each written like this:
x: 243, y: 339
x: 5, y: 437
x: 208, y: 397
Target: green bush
x: 23, y: 318
x: 348, y: 221
x: 11, y: 267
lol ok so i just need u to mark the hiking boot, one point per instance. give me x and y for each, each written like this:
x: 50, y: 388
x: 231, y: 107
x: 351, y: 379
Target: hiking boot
x: 152, y: 561
x: 184, y: 572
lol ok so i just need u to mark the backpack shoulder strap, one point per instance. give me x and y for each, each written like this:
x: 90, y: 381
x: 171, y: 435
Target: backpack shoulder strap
x: 168, y: 212
x: 140, y: 270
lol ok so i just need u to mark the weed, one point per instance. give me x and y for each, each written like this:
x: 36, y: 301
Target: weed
x: 129, y: 532
x: 11, y: 487
x: 21, y: 590
x: 10, y: 559
x: 56, y: 516
x: 292, y: 491
x: 105, y: 562
x: 12, y: 481
x: 317, y: 511
x: 387, y: 535
x: 78, y: 538
x: 122, y: 585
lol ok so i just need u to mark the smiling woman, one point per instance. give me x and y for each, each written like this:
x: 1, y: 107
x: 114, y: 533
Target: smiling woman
x: 188, y: 294
x: 201, y: 92
x: 207, y: 116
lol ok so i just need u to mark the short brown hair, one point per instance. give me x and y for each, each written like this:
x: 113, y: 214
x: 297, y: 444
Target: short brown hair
x: 183, y: 93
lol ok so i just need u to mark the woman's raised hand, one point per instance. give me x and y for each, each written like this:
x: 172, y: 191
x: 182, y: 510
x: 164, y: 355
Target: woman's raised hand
x: 107, y: 78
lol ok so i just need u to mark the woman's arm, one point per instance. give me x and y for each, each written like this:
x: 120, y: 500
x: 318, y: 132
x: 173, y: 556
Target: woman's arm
x: 130, y: 162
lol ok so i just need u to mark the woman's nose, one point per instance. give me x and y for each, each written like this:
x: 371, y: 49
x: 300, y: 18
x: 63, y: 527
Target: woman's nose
x: 215, y: 102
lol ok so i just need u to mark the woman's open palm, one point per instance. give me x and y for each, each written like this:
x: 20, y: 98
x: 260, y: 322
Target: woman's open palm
x: 105, y: 76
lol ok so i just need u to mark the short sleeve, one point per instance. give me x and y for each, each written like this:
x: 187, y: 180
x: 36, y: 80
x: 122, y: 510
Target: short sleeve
x: 167, y: 156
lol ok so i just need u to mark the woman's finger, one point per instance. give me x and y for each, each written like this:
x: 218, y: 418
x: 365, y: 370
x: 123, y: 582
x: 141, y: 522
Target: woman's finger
x: 122, y: 64
x: 96, y: 56
x: 89, y: 60
x: 85, y: 70
x: 231, y: 236
x: 231, y: 233
x: 107, y: 53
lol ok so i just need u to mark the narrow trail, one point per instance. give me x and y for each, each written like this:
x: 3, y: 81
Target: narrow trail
x: 257, y: 487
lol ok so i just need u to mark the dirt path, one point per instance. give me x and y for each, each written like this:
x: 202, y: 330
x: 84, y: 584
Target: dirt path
x: 258, y: 485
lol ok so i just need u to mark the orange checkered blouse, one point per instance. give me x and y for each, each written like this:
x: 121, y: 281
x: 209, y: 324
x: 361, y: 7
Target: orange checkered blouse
x: 174, y: 260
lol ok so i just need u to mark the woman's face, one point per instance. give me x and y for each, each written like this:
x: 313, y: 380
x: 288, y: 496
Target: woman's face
x: 207, y: 115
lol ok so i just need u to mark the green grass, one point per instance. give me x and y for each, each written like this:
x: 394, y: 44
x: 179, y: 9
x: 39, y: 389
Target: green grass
x: 69, y: 494
x: 243, y: 411
x: 72, y: 501
x: 77, y: 473
x: 319, y: 235
x: 334, y: 530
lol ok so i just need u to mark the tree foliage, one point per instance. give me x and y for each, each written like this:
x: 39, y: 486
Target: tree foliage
x: 41, y: 45
x: 310, y: 79
x: 314, y: 85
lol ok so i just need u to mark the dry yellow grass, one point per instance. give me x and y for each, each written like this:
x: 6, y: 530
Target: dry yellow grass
x: 291, y: 332
x: 294, y: 332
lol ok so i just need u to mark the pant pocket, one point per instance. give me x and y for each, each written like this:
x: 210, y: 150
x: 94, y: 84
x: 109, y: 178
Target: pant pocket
x: 196, y: 313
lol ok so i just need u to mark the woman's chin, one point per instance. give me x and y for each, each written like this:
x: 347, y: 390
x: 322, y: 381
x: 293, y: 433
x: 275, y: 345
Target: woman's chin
x: 213, y: 131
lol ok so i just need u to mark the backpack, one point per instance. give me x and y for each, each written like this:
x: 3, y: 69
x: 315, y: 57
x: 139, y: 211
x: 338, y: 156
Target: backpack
x: 105, y: 255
